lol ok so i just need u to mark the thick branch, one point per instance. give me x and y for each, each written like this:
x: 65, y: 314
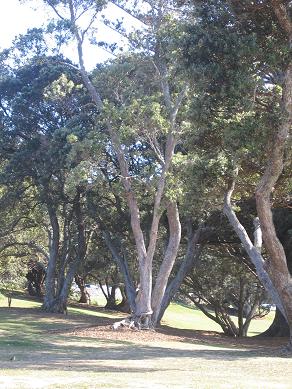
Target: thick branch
x: 131, y: 198
x: 251, y: 250
x: 258, y: 236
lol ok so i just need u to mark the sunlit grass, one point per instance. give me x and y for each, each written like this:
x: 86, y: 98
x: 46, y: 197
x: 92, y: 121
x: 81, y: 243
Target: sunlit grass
x: 181, y: 316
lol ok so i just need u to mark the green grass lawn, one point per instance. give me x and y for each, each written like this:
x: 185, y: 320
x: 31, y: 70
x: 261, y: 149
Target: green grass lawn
x: 184, y: 317
x: 45, y: 358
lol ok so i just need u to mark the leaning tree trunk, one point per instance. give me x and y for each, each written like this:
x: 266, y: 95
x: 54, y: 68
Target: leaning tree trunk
x: 251, y: 249
x: 193, y: 252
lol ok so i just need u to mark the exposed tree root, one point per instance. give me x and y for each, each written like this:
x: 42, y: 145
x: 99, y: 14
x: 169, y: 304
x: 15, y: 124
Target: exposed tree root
x: 135, y: 322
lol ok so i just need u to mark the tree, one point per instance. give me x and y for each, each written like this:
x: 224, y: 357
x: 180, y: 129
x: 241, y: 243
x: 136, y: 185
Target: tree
x: 172, y: 93
x: 256, y: 85
x: 38, y: 142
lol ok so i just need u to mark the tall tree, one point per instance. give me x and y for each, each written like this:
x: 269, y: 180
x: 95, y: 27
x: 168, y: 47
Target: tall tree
x: 251, y: 92
x: 156, y: 20
x: 42, y: 124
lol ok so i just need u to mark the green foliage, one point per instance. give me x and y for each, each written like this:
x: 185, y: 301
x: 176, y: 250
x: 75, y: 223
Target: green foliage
x: 236, y: 53
x: 225, y: 284
x: 59, y: 89
x: 12, y: 274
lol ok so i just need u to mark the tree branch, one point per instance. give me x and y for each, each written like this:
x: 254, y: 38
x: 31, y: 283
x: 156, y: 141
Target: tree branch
x: 251, y: 250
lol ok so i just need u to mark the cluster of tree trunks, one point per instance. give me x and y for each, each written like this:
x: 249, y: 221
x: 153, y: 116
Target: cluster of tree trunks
x: 35, y: 278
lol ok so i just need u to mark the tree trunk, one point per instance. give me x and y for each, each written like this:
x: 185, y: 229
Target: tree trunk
x: 240, y: 312
x: 277, y: 262
x: 124, y: 305
x: 142, y: 307
x: 36, y: 277
x: 84, y: 297
x: 193, y: 253
x: 279, y: 327
x: 111, y: 302
x: 50, y: 287
x: 123, y: 266
x: 253, y: 253
x: 58, y: 304
x: 248, y: 318
x: 168, y: 260
x: 80, y: 282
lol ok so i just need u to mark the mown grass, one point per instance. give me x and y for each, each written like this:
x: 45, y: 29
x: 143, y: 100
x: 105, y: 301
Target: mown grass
x: 184, y: 317
x: 44, y: 358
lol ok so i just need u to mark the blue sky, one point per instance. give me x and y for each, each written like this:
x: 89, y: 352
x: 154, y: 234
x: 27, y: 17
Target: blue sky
x: 17, y: 17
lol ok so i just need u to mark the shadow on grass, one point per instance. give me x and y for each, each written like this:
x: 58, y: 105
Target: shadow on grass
x: 65, y: 353
x: 32, y: 340
x: 33, y: 316
x: 218, y: 339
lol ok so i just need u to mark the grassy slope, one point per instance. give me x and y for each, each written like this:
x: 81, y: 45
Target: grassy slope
x: 46, y: 359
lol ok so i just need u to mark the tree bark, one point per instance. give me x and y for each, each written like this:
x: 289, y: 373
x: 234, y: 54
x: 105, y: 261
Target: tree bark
x: 50, y: 287
x: 277, y: 263
x: 111, y: 302
x: 124, y: 305
x: 58, y: 303
x: 279, y: 327
x: 168, y: 260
